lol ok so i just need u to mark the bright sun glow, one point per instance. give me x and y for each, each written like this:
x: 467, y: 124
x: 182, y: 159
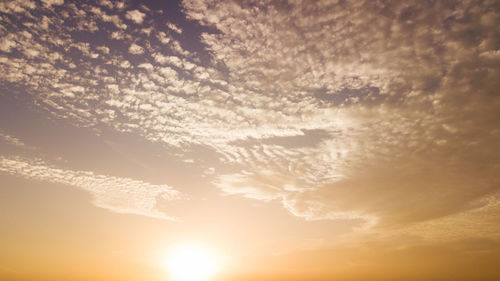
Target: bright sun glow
x: 192, y: 262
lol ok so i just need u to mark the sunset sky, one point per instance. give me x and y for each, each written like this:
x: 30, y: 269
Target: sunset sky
x: 290, y: 140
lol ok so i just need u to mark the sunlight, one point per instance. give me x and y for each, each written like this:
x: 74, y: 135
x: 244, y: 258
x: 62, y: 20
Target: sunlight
x: 191, y: 262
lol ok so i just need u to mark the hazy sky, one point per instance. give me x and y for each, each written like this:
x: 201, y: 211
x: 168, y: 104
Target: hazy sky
x: 304, y: 140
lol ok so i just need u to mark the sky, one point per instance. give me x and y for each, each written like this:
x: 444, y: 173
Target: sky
x: 302, y: 140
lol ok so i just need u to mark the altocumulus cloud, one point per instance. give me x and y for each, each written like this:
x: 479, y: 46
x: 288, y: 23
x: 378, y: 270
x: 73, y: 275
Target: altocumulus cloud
x: 403, y: 95
x: 411, y: 87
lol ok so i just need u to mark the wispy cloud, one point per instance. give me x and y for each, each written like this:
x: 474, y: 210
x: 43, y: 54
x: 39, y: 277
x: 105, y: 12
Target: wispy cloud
x: 403, y: 96
x: 121, y: 195
x: 11, y: 140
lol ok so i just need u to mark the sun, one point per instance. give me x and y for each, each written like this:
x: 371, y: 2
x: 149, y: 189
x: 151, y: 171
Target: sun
x: 192, y: 262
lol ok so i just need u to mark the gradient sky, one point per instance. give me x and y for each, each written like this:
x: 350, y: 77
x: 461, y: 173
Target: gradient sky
x: 304, y: 140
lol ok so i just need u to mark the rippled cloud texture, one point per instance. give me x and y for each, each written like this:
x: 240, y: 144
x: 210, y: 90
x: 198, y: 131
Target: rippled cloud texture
x: 384, y: 112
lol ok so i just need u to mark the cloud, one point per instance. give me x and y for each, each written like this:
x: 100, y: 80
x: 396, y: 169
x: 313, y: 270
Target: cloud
x: 115, y: 19
x: 135, y: 49
x: 17, y: 6
x: 7, y: 44
x: 135, y: 16
x: 12, y: 140
x: 174, y: 27
x: 53, y: 2
x: 120, y: 195
x: 403, y: 96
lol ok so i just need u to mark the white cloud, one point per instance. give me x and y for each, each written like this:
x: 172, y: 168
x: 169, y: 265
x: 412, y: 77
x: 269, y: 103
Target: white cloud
x: 115, y: 19
x: 107, y: 3
x: 146, y: 66
x: 18, y: 6
x: 332, y: 70
x: 53, y: 2
x: 121, y: 195
x: 386, y: 94
x: 7, y: 44
x: 12, y: 140
x: 174, y: 27
x: 135, y: 16
x: 162, y: 36
x: 135, y: 49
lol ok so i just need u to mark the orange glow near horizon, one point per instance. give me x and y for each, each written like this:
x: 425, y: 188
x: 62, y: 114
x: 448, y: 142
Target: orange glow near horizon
x: 249, y: 140
x: 192, y: 262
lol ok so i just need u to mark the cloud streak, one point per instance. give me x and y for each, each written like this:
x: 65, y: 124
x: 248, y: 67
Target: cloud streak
x: 120, y: 195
